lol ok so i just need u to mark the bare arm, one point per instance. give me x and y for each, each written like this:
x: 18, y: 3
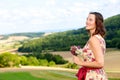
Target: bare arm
x: 98, y: 53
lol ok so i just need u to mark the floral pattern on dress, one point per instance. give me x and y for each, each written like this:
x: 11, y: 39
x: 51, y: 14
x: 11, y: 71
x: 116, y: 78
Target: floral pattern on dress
x: 88, y: 56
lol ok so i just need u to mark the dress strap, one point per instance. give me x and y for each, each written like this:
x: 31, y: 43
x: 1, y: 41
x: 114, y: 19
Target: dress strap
x: 98, y: 36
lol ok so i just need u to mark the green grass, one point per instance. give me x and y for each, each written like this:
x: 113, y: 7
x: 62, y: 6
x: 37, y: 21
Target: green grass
x: 40, y: 75
x: 18, y: 76
x: 113, y: 79
x: 54, y: 75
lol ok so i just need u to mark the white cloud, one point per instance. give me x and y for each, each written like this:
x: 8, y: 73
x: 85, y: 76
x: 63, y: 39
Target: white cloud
x: 64, y: 14
x: 4, y: 13
x: 36, y: 21
x: 114, y: 1
x: 51, y: 2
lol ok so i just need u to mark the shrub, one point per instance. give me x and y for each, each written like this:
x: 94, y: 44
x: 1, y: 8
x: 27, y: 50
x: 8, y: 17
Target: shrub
x: 59, y: 60
x: 71, y: 65
x: 23, y: 60
x: 9, y: 60
x: 32, y: 61
x: 51, y: 63
x: 43, y: 62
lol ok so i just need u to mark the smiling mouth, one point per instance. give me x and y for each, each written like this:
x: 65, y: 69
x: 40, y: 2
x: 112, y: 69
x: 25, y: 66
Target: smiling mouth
x: 87, y: 25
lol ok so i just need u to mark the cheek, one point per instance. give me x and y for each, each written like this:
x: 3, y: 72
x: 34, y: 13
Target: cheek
x: 90, y: 26
x: 93, y: 23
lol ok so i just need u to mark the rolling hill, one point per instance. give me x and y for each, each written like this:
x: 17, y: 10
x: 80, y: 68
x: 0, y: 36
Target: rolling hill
x: 27, y: 34
x: 62, y: 41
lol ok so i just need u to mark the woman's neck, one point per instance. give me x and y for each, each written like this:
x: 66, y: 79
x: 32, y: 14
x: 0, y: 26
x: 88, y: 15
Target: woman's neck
x: 92, y: 32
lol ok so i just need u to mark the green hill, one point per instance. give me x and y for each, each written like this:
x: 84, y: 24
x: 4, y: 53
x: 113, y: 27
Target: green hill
x: 62, y: 41
x: 27, y: 34
x: 113, y: 31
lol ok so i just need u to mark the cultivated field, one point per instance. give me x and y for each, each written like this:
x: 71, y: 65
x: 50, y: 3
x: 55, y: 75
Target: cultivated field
x: 11, y: 42
x: 112, y: 61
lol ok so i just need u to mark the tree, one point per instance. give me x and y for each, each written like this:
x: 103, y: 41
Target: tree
x: 32, y: 61
x: 51, y: 63
x: 9, y: 60
x: 43, y: 62
x: 23, y: 60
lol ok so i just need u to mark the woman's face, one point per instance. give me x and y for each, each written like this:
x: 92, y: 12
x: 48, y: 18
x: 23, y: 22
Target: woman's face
x: 90, y: 22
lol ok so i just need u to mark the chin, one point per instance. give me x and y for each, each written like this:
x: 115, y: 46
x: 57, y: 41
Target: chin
x: 86, y: 28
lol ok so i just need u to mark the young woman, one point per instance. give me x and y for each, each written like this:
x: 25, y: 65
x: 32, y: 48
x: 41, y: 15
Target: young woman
x: 93, y: 52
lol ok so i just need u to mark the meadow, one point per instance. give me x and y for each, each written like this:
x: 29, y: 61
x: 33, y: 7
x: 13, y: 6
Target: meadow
x: 38, y: 74
x: 29, y: 74
x: 33, y: 74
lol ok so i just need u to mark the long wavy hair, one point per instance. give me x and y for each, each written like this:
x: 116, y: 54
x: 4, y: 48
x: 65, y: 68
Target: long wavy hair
x: 99, y: 21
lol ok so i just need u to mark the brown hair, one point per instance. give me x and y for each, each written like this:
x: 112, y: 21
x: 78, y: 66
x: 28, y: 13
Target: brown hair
x: 100, y: 29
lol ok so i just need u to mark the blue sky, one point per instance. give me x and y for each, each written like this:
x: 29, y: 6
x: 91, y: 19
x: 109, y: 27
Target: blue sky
x: 51, y: 15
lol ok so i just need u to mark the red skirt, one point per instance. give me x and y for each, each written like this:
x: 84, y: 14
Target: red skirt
x: 82, y: 72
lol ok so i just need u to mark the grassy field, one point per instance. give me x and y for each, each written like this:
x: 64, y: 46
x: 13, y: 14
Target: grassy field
x: 40, y: 75
x: 17, y: 76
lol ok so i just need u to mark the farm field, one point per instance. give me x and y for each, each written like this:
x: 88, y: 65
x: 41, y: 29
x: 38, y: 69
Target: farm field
x: 38, y: 74
x: 112, y: 58
x: 11, y: 43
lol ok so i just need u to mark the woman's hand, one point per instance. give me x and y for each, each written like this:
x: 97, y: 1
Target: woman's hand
x: 77, y: 60
x: 73, y: 49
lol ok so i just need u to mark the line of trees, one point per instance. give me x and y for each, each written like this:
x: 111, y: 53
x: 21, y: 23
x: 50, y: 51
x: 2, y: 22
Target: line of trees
x: 54, y: 42
x: 10, y: 60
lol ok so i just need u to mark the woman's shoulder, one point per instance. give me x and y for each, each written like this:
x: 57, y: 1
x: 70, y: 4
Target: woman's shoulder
x: 95, y: 39
x: 97, y: 36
